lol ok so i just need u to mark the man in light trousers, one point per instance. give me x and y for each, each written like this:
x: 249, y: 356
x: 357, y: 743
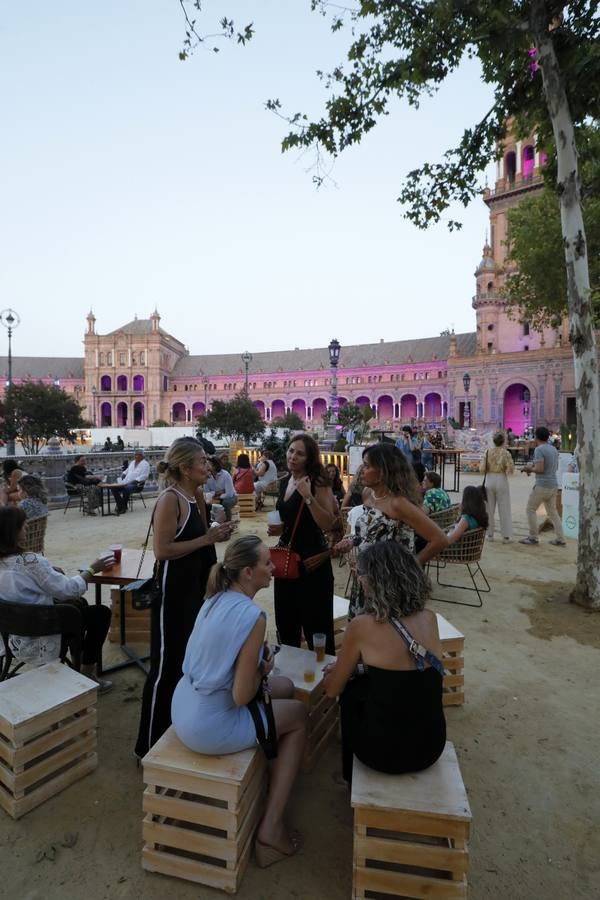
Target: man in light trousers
x: 544, y: 465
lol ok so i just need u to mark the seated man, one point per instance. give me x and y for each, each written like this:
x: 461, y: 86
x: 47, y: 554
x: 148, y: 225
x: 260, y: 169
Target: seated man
x: 266, y: 471
x: 80, y: 476
x: 435, y: 497
x: 131, y: 480
x: 220, y: 483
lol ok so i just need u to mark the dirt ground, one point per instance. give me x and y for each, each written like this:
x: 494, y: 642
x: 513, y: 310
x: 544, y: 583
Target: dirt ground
x: 527, y: 741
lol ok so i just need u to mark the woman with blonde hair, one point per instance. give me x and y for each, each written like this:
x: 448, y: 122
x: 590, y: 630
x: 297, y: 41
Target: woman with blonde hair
x: 496, y: 465
x: 225, y: 662
x: 184, y: 550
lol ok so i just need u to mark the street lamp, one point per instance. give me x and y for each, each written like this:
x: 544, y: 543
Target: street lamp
x: 334, y: 358
x: 10, y: 319
x: 246, y: 359
x: 526, y: 398
x: 205, y: 383
x: 467, y: 385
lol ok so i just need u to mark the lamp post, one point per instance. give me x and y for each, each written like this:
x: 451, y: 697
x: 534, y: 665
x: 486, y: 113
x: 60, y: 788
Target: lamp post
x: 467, y: 385
x: 246, y: 359
x: 526, y: 399
x: 205, y: 383
x: 334, y: 358
x: 10, y: 319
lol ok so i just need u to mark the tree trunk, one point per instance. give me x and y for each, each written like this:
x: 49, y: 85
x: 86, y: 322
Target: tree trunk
x: 585, y: 358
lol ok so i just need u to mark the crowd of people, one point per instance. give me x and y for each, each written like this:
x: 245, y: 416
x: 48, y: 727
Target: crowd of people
x: 209, y: 656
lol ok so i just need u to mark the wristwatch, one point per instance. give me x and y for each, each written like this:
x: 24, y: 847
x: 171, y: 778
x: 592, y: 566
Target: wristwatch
x: 308, y: 500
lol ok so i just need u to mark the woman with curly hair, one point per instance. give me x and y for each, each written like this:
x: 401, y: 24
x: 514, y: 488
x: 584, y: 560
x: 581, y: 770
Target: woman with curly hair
x: 392, y: 714
x: 391, y: 511
x: 305, y: 604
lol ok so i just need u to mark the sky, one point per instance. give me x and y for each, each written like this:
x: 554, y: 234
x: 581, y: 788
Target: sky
x: 133, y: 181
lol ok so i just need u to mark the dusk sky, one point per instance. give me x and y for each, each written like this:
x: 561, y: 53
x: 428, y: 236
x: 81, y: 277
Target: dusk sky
x: 131, y: 180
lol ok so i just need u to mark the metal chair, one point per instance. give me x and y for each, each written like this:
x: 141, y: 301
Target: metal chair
x: 39, y: 620
x: 465, y: 552
x: 74, y: 491
x: 36, y: 534
x: 139, y: 493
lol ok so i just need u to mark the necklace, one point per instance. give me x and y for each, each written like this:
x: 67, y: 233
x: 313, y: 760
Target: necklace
x: 375, y: 497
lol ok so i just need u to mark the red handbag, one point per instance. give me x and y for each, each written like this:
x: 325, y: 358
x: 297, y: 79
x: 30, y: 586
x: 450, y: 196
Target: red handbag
x: 287, y: 563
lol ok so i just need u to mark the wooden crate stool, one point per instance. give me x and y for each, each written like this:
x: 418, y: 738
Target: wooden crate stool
x: 322, y: 711
x: 137, y: 620
x: 201, y: 812
x: 411, y: 832
x: 453, y: 651
x: 247, y: 505
x: 47, y: 735
x: 340, y: 618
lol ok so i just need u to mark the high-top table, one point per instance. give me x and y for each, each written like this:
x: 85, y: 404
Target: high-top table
x: 121, y: 574
x: 440, y: 458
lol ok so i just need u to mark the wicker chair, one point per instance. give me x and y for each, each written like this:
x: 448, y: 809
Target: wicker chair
x: 465, y: 552
x: 36, y: 534
x: 446, y: 518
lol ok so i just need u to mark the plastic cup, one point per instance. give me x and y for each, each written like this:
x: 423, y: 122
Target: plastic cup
x: 273, y: 518
x: 116, y: 550
x: 208, y: 495
x: 309, y: 671
x: 319, y: 641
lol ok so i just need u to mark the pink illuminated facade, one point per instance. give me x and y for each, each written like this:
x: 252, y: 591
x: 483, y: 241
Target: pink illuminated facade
x: 139, y: 373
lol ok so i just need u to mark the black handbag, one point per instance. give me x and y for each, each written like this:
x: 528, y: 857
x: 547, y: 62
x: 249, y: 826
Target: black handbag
x: 146, y: 591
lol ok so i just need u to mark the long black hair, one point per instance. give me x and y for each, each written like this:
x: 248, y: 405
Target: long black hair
x: 12, y: 519
x: 397, y: 473
x: 473, y: 504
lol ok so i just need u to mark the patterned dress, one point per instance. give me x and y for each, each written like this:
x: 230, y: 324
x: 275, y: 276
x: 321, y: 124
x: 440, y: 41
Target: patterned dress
x: 373, y: 525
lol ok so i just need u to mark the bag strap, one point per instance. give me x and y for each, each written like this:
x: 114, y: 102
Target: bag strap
x: 301, y: 507
x: 485, y: 470
x: 420, y: 653
x: 145, y: 544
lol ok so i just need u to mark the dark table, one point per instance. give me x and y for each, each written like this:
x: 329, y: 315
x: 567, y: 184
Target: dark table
x: 121, y: 574
x: 452, y: 456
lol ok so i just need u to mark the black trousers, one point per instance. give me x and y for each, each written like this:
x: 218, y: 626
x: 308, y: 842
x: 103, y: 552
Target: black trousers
x: 171, y: 626
x: 305, y: 605
x: 95, y: 622
x: 121, y: 494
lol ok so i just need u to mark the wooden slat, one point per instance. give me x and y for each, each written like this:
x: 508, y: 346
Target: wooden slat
x: 427, y: 824
x: 404, y: 885
x: 40, y: 770
x: 451, y: 698
x: 188, y: 839
x: 411, y: 853
x: 18, y: 808
x: 189, y: 869
x: 453, y: 681
x: 19, y: 756
x: 453, y: 663
x: 159, y: 804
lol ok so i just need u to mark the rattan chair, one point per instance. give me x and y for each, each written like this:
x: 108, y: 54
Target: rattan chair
x: 39, y: 620
x: 446, y: 518
x: 465, y: 552
x: 36, y: 534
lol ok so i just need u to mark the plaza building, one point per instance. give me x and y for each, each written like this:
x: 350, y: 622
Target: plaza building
x: 516, y: 377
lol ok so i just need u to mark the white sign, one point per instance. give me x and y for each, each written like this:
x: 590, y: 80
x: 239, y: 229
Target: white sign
x: 570, y: 503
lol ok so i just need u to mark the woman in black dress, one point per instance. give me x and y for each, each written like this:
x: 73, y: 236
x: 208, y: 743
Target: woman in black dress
x: 392, y: 715
x: 305, y: 604
x: 184, y: 550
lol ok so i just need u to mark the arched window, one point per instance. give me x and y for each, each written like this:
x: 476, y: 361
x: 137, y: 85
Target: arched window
x: 138, y: 415
x: 510, y: 164
x: 122, y: 383
x: 106, y: 383
x: 138, y: 382
x: 528, y: 161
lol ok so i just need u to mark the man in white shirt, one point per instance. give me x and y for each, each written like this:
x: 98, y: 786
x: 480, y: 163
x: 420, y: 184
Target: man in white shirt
x: 266, y: 471
x: 132, y: 480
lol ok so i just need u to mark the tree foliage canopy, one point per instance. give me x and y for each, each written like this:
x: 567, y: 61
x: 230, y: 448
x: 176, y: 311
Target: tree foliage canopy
x: 35, y: 412
x: 291, y: 421
x: 234, y: 419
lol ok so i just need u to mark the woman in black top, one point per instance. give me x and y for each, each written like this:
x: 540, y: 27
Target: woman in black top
x: 305, y: 604
x: 392, y: 715
x: 184, y: 550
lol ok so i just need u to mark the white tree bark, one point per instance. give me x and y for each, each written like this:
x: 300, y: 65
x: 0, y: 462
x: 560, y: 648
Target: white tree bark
x: 583, y: 341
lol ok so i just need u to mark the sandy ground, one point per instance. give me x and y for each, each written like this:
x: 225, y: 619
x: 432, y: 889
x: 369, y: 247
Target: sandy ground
x: 527, y: 741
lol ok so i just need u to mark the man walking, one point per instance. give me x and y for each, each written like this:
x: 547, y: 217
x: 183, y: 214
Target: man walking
x: 544, y: 466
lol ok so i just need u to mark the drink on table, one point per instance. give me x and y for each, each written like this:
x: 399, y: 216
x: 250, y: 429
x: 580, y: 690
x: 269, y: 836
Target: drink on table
x: 319, y: 641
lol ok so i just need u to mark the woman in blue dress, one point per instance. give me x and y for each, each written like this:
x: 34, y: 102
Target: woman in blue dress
x: 225, y: 660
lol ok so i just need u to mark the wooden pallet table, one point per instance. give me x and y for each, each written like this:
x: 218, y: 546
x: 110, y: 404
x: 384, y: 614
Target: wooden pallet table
x: 411, y: 832
x: 201, y: 812
x: 453, y: 651
x: 247, y: 505
x: 47, y: 735
x: 137, y: 620
x: 322, y: 711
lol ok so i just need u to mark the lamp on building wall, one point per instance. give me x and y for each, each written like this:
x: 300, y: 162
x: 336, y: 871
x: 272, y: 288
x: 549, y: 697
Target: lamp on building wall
x: 246, y: 359
x: 334, y: 358
x: 10, y: 319
x: 467, y: 385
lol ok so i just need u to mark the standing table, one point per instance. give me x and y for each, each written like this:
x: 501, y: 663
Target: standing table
x: 121, y: 574
x: 440, y: 457
x: 322, y: 710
